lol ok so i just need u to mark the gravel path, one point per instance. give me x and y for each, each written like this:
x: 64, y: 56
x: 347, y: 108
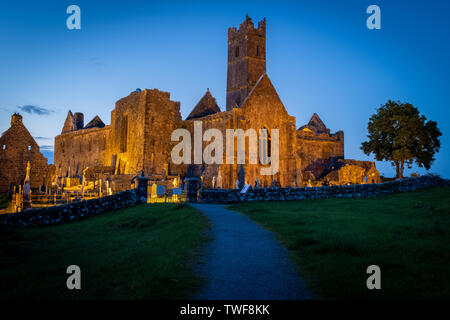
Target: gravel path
x: 245, y: 261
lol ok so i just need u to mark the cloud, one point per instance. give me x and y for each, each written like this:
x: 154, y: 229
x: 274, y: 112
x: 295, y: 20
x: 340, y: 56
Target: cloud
x: 46, y: 148
x: 42, y: 138
x: 40, y: 111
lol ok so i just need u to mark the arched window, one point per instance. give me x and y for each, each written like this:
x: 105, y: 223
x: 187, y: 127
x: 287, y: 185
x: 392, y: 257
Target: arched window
x: 237, y: 51
x: 265, y: 145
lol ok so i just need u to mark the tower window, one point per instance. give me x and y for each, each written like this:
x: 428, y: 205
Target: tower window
x: 4, y: 147
x: 257, y: 51
x: 237, y: 51
x: 29, y: 148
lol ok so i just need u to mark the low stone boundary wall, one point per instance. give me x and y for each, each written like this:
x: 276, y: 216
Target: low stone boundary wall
x: 68, y: 212
x: 75, y: 210
x: 345, y: 191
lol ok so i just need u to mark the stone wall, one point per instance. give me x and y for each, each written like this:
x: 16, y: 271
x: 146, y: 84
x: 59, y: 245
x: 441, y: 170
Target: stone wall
x: 76, y: 150
x: 17, y: 148
x: 137, y: 139
x: 76, y: 210
x: 344, y: 191
x: 246, y: 60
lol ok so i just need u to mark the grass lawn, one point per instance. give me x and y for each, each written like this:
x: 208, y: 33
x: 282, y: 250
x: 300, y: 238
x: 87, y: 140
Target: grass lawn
x: 333, y: 241
x: 144, y: 252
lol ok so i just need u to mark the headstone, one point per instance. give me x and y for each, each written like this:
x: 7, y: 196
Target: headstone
x: 241, y: 176
x: 219, y: 181
x: 246, y: 188
x: 27, y: 188
x: 160, y: 190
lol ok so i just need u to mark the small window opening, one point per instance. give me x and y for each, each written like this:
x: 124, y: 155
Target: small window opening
x: 237, y: 51
x: 4, y: 147
x: 29, y: 148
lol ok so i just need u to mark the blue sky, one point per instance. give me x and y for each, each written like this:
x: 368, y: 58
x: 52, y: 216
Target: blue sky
x: 320, y: 56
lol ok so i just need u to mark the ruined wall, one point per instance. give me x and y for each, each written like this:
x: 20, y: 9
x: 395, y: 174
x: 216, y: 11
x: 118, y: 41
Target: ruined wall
x: 263, y: 109
x: 17, y: 147
x: 137, y: 139
x: 349, y: 171
x: 76, y: 150
x: 162, y: 118
x: 315, y: 151
x: 141, y: 127
x: 220, y: 121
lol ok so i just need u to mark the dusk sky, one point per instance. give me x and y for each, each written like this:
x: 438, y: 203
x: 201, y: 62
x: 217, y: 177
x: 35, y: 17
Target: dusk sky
x: 321, y: 58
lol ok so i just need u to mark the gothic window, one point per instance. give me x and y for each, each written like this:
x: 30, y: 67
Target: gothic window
x: 265, y: 145
x: 124, y: 134
x: 237, y: 51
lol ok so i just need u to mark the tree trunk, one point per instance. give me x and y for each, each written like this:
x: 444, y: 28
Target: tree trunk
x: 402, y: 166
x: 399, y: 167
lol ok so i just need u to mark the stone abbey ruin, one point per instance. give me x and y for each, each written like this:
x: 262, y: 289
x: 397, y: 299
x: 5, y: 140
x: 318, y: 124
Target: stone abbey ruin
x: 138, y: 140
x: 18, y: 148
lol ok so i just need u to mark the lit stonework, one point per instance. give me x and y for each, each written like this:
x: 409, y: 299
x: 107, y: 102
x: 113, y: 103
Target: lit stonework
x: 139, y: 136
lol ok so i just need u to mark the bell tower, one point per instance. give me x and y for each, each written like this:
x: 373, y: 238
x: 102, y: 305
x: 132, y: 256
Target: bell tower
x: 246, y: 60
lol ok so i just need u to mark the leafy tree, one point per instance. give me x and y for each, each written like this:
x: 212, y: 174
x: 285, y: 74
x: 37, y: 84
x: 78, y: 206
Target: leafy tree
x: 398, y: 133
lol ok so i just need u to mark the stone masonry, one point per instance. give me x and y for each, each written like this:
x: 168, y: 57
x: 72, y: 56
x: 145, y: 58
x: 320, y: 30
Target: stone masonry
x: 139, y: 136
x: 17, y: 148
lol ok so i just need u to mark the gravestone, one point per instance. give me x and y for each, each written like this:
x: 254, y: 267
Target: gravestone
x: 246, y: 188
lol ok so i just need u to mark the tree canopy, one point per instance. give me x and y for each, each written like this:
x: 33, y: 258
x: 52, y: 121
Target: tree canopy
x: 400, y: 134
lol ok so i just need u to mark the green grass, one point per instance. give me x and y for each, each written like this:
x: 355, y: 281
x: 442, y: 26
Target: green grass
x: 144, y: 252
x: 333, y: 241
